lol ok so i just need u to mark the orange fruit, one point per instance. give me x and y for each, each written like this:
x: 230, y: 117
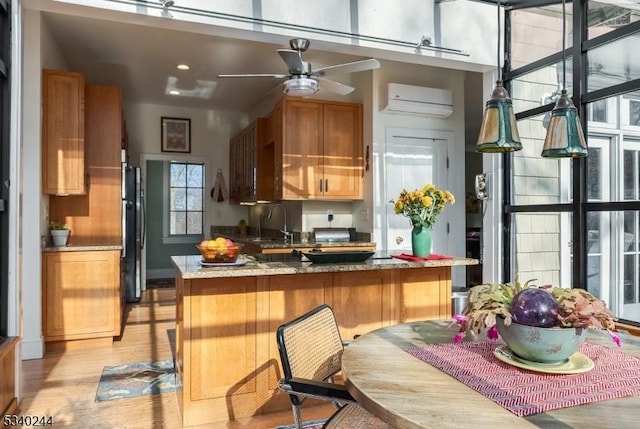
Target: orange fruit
x: 221, y: 244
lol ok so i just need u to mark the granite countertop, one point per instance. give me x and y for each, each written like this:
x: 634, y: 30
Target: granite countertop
x: 83, y: 248
x: 190, y: 266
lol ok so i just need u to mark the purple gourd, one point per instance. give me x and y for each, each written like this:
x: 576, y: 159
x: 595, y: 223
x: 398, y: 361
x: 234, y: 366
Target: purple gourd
x: 534, y: 307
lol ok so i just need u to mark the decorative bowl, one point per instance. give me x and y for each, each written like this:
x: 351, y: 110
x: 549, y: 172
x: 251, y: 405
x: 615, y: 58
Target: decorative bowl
x: 220, y: 254
x: 545, y: 345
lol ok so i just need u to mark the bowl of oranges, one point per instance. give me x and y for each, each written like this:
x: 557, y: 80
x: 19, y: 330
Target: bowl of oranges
x: 219, y: 250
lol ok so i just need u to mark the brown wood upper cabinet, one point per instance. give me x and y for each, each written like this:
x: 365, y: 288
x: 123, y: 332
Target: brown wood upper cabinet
x: 63, y: 154
x: 244, y: 158
x: 318, y: 149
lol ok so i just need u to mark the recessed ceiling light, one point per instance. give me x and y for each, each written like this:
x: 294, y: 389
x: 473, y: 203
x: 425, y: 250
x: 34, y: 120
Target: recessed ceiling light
x: 182, y: 67
x: 174, y: 92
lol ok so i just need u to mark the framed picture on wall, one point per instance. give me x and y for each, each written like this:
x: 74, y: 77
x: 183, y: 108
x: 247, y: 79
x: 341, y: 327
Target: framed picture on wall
x: 176, y: 134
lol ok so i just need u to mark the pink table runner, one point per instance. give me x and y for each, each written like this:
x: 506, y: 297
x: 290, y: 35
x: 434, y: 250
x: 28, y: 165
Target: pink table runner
x: 615, y: 375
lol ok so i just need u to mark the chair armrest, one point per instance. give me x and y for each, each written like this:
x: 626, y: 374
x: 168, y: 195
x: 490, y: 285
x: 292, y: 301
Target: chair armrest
x: 316, y: 389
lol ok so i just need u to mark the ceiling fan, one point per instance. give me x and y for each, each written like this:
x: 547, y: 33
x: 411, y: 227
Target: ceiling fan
x: 302, y: 80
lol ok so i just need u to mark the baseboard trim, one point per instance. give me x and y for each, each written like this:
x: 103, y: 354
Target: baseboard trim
x: 162, y: 273
x: 32, y: 349
x: 62, y: 346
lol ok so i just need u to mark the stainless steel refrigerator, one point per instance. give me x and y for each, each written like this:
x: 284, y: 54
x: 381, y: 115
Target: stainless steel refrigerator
x: 133, y: 229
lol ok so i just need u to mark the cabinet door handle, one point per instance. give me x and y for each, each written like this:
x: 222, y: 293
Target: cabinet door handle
x: 320, y: 185
x: 326, y: 185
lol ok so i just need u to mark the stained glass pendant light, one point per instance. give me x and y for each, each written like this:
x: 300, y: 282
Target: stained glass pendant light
x: 565, y: 138
x: 499, y: 132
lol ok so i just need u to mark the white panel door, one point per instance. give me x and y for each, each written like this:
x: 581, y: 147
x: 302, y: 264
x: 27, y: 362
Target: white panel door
x: 413, y: 158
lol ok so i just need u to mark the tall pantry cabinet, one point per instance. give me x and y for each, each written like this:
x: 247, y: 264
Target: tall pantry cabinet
x: 82, y: 297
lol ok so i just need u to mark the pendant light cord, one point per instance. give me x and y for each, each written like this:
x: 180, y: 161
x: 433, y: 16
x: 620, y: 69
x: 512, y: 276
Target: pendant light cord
x: 564, y: 60
x: 498, y: 56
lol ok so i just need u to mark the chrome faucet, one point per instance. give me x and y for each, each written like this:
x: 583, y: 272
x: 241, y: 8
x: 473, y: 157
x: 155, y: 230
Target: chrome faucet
x: 259, y: 228
x: 287, y: 235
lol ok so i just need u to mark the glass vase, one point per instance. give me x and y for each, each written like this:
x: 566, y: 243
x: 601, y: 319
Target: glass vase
x: 421, y: 241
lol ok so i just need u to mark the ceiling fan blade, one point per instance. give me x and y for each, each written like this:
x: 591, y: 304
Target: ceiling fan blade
x: 293, y: 59
x: 273, y: 75
x: 337, y: 87
x: 354, y: 67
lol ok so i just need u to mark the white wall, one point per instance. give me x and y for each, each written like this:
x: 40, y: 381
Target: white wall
x: 39, y: 52
x: 433, y: 77
x: 210, y: 134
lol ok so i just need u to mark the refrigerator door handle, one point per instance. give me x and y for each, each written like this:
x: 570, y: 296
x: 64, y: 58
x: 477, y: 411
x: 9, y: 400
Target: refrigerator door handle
x: 144, y: 219
x: 124, y: 228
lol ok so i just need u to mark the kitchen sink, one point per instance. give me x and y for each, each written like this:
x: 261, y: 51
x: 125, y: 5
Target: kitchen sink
x: 262, y: 240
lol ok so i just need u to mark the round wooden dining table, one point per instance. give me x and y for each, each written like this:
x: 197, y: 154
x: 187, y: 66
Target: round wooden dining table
x: 409, y: 393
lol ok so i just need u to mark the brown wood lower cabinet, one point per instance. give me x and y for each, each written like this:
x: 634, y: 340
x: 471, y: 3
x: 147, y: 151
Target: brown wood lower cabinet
x: 81, y: 294
x: 226, y: 350
x: 8, y: 400
x: 423, y: 294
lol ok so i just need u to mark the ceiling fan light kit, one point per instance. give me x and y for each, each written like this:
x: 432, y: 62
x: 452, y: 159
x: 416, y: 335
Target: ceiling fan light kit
x: 300, y: 87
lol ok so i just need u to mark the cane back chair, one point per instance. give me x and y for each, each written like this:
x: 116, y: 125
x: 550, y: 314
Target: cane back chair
x: 311, y: 349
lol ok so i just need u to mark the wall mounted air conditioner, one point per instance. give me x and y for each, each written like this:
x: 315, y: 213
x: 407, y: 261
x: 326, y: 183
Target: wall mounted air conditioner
x: 417, y: 100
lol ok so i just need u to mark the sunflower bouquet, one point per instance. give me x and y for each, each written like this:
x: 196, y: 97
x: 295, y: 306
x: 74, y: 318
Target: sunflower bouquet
x: 423, y: 205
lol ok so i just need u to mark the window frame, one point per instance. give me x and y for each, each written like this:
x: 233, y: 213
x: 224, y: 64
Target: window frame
x: 168, y: 237
x: 579, y: 207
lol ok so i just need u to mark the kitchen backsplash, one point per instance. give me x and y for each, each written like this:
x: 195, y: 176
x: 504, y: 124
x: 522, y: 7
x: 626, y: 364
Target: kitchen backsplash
x: 234, y: 231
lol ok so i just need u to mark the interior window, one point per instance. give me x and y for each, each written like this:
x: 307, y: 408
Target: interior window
x: 186, y: 198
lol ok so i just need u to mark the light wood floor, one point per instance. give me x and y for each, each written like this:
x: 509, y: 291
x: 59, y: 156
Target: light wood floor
x: 63, y: 385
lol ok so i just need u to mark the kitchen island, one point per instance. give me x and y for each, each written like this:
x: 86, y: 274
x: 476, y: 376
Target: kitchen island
x: 226, y: 318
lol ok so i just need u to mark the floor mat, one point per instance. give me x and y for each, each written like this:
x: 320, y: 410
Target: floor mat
x: 313, y: 424
x: 136, y: 379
